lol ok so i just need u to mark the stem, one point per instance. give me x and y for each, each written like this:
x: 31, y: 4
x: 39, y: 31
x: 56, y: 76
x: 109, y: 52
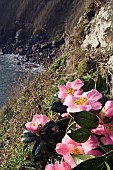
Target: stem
x: 69, y: 125
x: 108, y: 153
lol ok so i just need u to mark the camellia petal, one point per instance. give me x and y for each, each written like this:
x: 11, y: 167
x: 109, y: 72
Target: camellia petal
x: 37, y: 122
x: 68, y: 158
x: 63, y: 149
x: 106, y: 141
x: 77, y: 84
x: 109, y: 104
x: 96, y: 106
x: 94, y: 95
x: 91, y: 143
x: 58, y: 166
x: 71, y: 88
x: 69, y: 146
x: 85, y: 102
x: 109, y: 112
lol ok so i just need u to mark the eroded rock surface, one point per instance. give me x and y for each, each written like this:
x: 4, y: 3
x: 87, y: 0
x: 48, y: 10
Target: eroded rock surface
x: 99, y: 32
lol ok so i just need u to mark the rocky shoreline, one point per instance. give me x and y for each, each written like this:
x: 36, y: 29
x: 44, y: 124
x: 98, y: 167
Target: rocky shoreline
x: 36, y: 51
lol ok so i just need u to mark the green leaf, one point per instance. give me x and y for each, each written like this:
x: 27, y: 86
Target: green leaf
x: 81, y: 158
x: 107, y: 148
x: 86, y: 119
x: 99, y: 83
x: 57, y: 136
x: 107, y: 166
x: 80, y: 135
x: 58, y: 107
x: 63, y: 123
x: 27, y: 133
x: 28, y: 139
x: 47, y: 127
x: 88, y: 85
x: 73, y: 126
x: 91, y: 164
x: 37, y: 148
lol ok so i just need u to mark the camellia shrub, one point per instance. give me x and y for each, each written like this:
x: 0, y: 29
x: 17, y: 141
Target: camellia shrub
x: 81, y: 136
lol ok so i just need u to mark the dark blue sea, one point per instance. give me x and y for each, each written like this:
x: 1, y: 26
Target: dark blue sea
x: 12, y: 75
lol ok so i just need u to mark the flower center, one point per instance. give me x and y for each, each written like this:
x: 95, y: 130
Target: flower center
x: 81, y: 101
x: 76, y: 151
x: 34, y: 124
x: 70, y: 91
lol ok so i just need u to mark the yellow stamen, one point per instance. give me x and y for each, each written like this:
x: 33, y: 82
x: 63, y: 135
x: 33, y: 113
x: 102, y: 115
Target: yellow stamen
x: 104, y: 109
x: 75, y: 151
x: 81, y: 101
x: 34, y: 124
x: 70, y: 91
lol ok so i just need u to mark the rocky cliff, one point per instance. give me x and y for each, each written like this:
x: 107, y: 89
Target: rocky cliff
x: 49, y: 16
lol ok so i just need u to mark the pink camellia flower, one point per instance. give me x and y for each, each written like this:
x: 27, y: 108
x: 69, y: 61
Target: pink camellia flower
x: 69, y: 146
x: 57, y: 166
x: 37, y: 122
x: 85, y: 102
x: 71, y: 88
x: 108, y: 109
x: 100, y: 130
x: 106, y: 140
x: 106, y: 131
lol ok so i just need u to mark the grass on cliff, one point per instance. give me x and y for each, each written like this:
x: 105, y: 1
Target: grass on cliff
x: 35, y: 98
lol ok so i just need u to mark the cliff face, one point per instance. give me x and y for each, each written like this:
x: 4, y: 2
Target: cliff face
x: 51, y: 16
x: 99, y: 32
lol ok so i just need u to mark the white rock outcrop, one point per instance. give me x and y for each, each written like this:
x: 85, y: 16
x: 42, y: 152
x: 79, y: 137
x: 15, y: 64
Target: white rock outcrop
x: 100, y: 30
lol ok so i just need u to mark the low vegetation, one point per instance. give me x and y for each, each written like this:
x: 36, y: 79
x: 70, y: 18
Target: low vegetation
x: 36, y: 98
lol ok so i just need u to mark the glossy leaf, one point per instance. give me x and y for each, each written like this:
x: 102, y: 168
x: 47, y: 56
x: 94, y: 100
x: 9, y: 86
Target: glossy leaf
x: 81, y: 158
x: 91, y: 164
x: 57, y: 136
x: 27, y: 133
x: 86, y: 119
x: 80, y: 135
x: 63, y: 123
x: 88, y: 85
x: 73, y: 126
x: 58, y: 107
x: 45, y: 137
x: 37, y: 148
x: 48, y: 126
x: 107, y: 166
x: 28, y: 139
x: 99, y: 83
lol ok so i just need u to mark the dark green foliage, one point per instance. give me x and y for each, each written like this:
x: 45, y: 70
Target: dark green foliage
x: 80, y: 135
x: 47, y: 127
x: 81, y: 158
x: 58, y: 107
x: 86, y: 119
x: 37, y: 148
x: 63, y: 123
x: 89, y: 84
x: 95, y: 164
x: 28, y: 137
